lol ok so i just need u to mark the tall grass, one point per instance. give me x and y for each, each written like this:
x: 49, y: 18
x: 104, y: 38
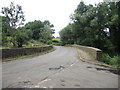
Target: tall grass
x: 113, y: 61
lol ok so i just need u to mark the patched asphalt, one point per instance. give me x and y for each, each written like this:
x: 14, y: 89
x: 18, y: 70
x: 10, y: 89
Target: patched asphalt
x: 58, y: 69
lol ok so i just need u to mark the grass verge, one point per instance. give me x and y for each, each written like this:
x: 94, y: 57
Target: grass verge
x: 113, y: 61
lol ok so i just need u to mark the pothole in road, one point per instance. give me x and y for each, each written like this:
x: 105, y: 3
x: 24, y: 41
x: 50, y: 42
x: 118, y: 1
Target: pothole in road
x: 77, y: 85
x: 62, y: 80
x: 62, y: 84
x: 89, y: 67
x: 112, y: 70
x: 57, y: 68
x: 24, y: 84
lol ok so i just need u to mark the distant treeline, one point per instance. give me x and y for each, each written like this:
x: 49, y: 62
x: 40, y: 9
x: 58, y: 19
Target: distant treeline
x: 16, y: 34
x: 95, y: 25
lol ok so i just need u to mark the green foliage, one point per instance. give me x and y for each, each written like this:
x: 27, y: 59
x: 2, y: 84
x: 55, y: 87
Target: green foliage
x: 105, y: 58
x: 42, y: 31
x: 12, y: 19
x: 14, y: 14
x: 36, y: 27
x: 34, y: 42
x: 49, y: 42
x: 5, y: 25
x: 1, y: 47
x: 57, y: 44
x: 114, y: 61
x: 22, y: 36
x: 96, y: 26
x: 5, y: 30
x: 67, y: 35
x: 56, y: 41
x: 16, y: 34
x: 4, y: 39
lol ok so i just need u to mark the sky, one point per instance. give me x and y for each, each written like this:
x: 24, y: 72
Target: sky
x: 56, y: 11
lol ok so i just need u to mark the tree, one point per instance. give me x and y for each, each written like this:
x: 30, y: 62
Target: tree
x: 96, y: 26
x: 23, y: 36
x: 66, y: 35
x: 36, y: 28
x: 14, y: 14
x: 114, y: 24
x: 42, y: 31
x: 17, y: 34
x: 15, y: 18
x: 5, y: 30
x: 48, y: 24
x: 46, y: 34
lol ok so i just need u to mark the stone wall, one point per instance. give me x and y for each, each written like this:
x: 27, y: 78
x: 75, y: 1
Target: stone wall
x: 14, y: 52
x: 94, y: 52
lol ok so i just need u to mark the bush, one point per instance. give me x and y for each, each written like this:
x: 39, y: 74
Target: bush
x: 55, y: 41
x: 105, y: 58
x: 56, y: 44
x: 35, y: 42
x: 49, y: 42
x: 114, y: 61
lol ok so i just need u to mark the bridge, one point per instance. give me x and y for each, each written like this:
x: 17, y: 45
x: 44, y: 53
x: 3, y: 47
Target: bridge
x: 65, y: 67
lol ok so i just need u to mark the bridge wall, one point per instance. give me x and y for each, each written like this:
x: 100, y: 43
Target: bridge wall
x: 93, y: 52
x: 14, y: 52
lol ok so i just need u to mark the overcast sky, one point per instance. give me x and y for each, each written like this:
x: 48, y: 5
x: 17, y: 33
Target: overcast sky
x: 56, y: 11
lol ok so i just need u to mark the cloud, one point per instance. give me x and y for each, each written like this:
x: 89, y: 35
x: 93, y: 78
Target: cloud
x: 56, y: 11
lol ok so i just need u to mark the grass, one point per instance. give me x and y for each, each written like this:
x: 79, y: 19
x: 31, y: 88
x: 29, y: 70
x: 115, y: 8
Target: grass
x: 3, y: 47
x: 33, y: 42
x: 113, y: 61
x: 57, y: 39
x: 56, y: 44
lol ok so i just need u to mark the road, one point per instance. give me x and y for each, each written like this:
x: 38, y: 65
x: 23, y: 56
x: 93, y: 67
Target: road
x: 58, y: 69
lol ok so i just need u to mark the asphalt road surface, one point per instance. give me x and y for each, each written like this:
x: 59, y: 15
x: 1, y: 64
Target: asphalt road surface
x: 58, y: 69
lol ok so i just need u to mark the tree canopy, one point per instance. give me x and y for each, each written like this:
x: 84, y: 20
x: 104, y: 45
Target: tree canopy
x: 94, y: 25
x: 16, y: 33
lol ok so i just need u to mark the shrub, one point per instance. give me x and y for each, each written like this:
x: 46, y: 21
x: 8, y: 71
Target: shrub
x: 49, y: 42
x: 56, y: 44
x: 105, y: 58
x: 114, y: 61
